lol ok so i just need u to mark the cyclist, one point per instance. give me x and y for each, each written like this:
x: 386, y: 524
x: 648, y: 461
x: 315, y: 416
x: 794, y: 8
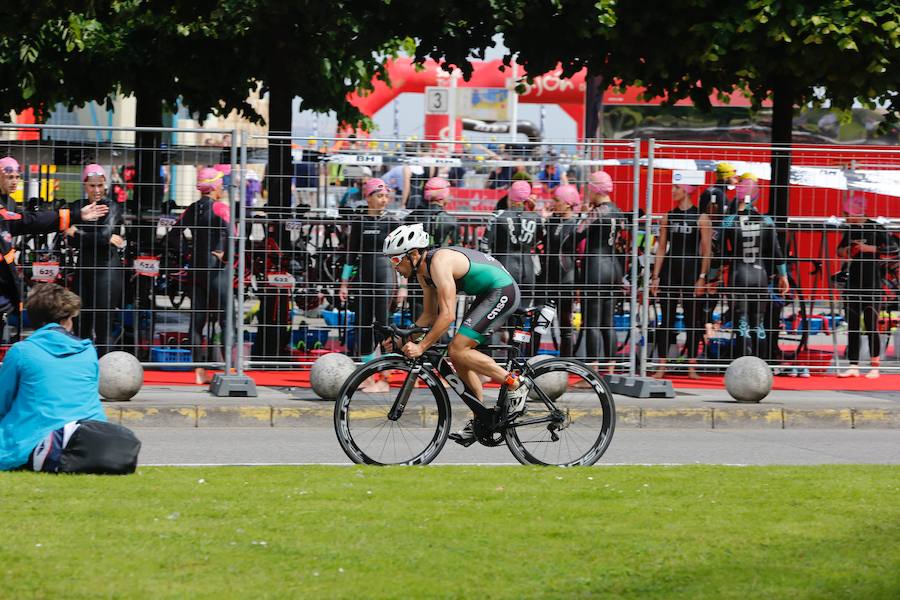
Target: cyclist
x: 443, y: 273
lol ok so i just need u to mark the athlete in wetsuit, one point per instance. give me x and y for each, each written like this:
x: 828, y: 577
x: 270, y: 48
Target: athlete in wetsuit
x: 602, y: 269
x: 208, y: 219
x: 560, y: 253
x: 866, y: 243
x: 512, y: 237
x: 100, y: 276
x: 684, y: 236
x: 443, y: 273
x: 13, y: 223
x: 440, y: 225
x: 750, y: 243
x: 374, y: 280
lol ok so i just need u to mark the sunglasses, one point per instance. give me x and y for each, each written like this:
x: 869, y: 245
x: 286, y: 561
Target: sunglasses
x: 397, y: 259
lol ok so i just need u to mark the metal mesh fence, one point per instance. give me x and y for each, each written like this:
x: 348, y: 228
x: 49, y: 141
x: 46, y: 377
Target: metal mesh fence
x: 671, y: 262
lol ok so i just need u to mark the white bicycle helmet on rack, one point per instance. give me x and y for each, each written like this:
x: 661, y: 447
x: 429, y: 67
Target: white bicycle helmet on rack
x: 406, y: 238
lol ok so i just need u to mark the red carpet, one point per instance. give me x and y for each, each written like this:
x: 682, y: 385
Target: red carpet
x: 822, y: 382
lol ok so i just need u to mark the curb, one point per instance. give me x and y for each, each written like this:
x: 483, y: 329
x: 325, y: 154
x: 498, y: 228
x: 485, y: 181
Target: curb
x: 627, y: 417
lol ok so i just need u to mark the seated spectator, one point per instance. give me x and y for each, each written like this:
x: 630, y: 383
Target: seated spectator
x: 48, y: 380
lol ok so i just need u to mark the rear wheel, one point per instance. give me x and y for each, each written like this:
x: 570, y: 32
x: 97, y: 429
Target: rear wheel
x: 364, y: 428
x: 570, y: 417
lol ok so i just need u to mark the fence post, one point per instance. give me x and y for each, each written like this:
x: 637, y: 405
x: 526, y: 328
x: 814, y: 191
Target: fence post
x: 648, y: 247
x: 632, y: 302
x: 228, y: 383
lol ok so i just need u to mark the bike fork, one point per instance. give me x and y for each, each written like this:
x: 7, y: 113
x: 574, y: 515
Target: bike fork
x: 403, y: 397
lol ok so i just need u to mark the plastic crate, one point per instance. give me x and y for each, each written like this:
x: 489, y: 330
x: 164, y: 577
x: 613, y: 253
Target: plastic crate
x: 170, y: 355
x: 403, y: 320
x: 339, y: 318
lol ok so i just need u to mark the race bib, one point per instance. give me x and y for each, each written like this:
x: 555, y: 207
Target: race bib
x: 148, y: 266
x: 45, y: 272
x: 281, y: 280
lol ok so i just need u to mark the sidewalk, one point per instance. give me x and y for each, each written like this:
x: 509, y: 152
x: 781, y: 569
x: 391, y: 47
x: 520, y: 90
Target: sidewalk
x: 193, y: 406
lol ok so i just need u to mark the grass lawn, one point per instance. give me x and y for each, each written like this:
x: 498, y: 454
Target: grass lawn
x: 464, y: 532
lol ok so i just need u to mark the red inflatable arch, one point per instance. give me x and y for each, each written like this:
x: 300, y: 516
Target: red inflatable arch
x: 549, y: 88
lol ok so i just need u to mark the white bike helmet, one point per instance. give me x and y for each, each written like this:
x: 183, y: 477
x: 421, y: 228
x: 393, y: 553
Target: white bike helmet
x: 406, y: 238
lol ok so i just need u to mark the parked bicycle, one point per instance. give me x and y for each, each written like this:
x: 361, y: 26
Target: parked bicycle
x: 570, y: 416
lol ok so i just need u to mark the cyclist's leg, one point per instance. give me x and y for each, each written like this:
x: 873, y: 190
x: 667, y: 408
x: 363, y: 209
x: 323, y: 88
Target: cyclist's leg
x: 488, y: 311
x: 469, y: 362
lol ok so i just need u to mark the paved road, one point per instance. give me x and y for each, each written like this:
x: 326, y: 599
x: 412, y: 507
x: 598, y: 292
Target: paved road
x: 178, y: 445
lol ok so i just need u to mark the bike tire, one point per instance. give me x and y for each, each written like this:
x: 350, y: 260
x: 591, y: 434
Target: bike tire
x: 368, y: 436
x: 590, y: 417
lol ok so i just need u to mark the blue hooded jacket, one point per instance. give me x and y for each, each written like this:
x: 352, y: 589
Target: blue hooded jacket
x: 46, y: 381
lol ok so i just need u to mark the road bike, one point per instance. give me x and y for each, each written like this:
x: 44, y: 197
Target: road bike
x: 569, y: 420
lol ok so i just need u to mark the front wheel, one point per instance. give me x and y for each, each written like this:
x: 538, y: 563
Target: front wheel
x: 570, y: 416
x: 370, y: 434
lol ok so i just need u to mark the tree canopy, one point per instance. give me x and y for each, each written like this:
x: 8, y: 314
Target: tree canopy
x: 210, y: 54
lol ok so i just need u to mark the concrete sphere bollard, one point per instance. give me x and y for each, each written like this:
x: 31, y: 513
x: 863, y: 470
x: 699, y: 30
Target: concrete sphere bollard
x: 553, y: 384
x: 121, y: 376
x: 748, y: 379
x: 329, y: 373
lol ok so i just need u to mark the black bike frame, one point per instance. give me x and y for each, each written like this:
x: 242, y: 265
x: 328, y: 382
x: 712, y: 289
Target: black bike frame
x: 437, y: 359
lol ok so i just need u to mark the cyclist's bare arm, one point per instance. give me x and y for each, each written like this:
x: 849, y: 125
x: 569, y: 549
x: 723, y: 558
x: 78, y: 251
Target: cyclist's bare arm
x: 430, y: 310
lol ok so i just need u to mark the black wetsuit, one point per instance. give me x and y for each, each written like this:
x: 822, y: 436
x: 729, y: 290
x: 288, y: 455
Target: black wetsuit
x: 862, y: 294
x: 680, y: 269
x: 375, y: 280
x: 511, y: 238
x: 558, y: 275
x: 209, y: 283
x: 440, y: 225
x: 750, y: 243
x: 601, y: 279
x: 15, y: 222
x: 717, y: 193
x: 100, y: 275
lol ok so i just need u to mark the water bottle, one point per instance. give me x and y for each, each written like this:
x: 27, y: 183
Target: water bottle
x: 545, y: 318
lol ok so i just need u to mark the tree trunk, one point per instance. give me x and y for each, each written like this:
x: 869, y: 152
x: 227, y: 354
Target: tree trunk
x: 148, y: 189
x: 272, y: 336
x: 281, y: 169
x: 782, y: 130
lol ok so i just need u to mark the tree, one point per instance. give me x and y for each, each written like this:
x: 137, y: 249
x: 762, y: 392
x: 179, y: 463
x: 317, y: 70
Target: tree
x: 788, y: 51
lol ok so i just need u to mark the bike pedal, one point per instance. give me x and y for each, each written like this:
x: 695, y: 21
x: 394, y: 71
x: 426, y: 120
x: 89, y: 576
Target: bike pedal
x: 464, y: 442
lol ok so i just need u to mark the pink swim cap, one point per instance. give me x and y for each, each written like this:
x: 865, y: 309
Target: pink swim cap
x: 374, y: 185
x: 688, y: 188
x: 209, y: 179
x: 437, y: 188
x: 601, y: 183
x: 9, y: 165
x: 92, y: 170
x: 519, y: 191
x: 568, y: 193
x: 747, y: 187
x: 855, y: 205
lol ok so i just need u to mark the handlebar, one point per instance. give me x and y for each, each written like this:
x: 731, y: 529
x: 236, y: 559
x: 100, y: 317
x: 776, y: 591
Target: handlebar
x: 394, y: 332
